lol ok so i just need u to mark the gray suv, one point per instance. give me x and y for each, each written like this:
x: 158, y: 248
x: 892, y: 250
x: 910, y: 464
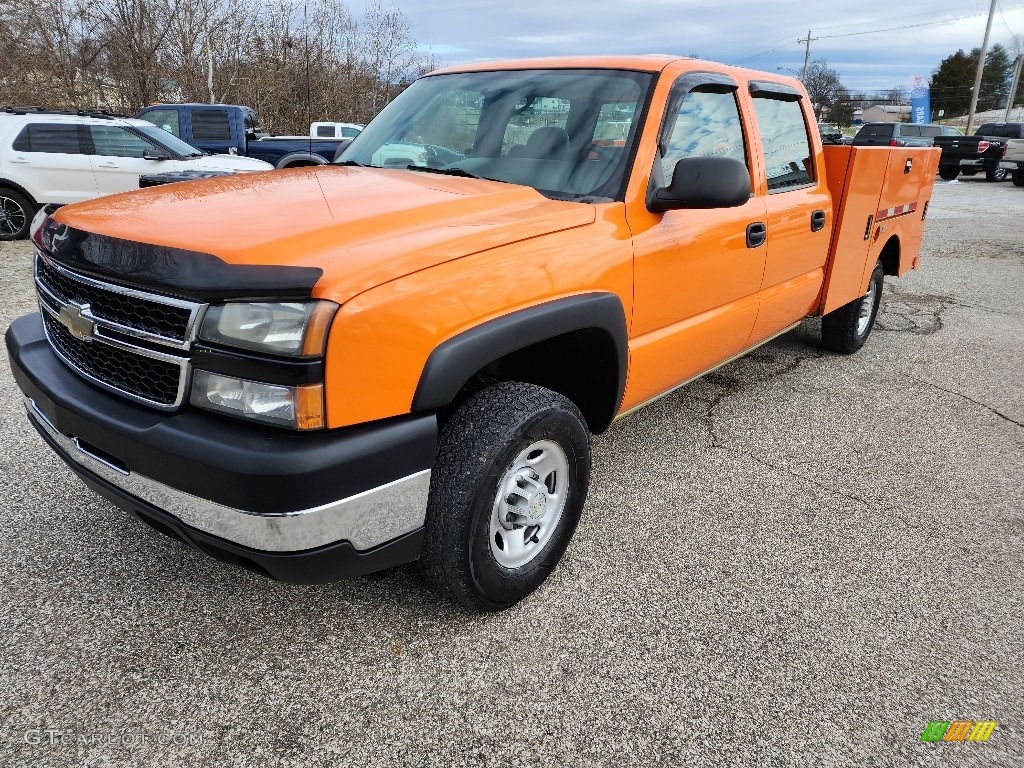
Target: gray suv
x: 901, y: 134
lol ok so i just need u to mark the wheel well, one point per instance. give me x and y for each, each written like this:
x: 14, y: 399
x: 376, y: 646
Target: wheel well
x: 582, y: 365
x: 299, y: 160
x: 20, y: 190
x: 890, y: 256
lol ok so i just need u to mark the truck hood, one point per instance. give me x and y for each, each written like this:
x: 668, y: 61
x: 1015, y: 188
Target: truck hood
x: 361, y: 226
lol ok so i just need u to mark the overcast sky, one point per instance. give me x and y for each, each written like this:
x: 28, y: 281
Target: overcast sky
x: 762, y: 34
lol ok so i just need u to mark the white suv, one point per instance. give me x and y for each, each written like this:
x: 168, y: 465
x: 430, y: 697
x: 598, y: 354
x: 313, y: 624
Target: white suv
x: 57, y: 157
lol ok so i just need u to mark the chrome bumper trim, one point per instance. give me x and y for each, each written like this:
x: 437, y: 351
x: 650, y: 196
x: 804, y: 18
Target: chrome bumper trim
x: 366, y: 520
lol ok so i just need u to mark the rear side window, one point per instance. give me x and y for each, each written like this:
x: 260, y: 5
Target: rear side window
x: 787, y: 147
x: 48, y: 137
x: 911, y: 130
x: 706, y: 125
x: 931, y: 130
x: 325, y: 131
x: 875, y: 132
x: 211, y: 125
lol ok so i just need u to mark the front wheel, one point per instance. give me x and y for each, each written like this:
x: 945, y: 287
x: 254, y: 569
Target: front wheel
x: 15, y: 215
x: 948, y: 174
x: 506, y: 493
x: 1018, y: 177
x: 845, y: 330
x: 995, y: 174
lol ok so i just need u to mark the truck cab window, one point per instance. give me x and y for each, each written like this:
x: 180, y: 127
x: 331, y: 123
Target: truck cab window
x: 706, y: 125
x: 210, y: 125
x: 166, y: 119
x: 787, y: 148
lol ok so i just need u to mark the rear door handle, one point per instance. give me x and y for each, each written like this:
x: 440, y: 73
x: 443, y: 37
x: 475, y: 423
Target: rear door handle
x: 757, y: 233
x: 817, y: 221
x: 108, y: 165
x: 24, y: 160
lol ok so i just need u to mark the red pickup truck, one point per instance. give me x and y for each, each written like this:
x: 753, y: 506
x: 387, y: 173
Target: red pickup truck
x: 321, y: 372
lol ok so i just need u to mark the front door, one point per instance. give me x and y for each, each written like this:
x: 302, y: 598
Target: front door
x: 697, y: 272
x: 117, y: 158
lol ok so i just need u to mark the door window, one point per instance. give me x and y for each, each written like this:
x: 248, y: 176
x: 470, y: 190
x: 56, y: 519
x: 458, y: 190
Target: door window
x: 706, y: 125
x: 167, y: 119
x: 112, y: 141
x: 787, y: 148
x: 49, y: 137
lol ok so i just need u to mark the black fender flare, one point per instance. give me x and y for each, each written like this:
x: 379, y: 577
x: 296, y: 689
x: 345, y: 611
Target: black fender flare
x: 457, y: 359
x: 306, y: 156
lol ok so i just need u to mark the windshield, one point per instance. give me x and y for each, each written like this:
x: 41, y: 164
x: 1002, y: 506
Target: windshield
x: 168, y: 140
x: 567, y: 133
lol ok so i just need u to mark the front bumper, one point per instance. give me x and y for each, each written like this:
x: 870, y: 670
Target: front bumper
x: 309, y: 507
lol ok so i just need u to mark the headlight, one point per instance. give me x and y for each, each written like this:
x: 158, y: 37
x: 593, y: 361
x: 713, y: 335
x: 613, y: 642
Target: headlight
x: 295, y: 407
x: 289, y: 328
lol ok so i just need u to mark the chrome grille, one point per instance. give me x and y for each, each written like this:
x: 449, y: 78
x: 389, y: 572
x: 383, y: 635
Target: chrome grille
x: 128, y: 341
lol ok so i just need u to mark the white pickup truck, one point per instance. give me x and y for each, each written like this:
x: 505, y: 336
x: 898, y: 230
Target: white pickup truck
x: 1013, y: 160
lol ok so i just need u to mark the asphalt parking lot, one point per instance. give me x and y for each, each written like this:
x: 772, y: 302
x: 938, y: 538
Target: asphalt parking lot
x: 801, y: 559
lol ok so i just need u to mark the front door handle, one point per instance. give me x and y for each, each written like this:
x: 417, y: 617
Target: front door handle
x: 108, y: 165
x: 757, y: 233
x: 817, y: 221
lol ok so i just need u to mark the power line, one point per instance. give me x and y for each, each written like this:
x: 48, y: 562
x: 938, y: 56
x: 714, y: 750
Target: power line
x: 913, y: 26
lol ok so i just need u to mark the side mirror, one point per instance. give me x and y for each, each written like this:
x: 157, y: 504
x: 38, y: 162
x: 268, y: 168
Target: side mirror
x: 155, y: 154
x: 703, y: 182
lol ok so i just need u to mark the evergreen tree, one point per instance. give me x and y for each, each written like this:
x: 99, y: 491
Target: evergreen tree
x: 952, y: 82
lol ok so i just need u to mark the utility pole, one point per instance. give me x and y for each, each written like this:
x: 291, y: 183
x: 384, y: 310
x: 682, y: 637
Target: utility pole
x: 1013, y: 88
x: 981, y: 68
x: 807, y: 54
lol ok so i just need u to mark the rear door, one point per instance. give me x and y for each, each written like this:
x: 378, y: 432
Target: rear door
x: 799, y: 209
x: 48, y: 159
x: 211, y: 130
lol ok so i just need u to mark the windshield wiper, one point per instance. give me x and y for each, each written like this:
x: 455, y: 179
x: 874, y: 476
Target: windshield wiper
x: 447, y: 172
x: 350, y: 163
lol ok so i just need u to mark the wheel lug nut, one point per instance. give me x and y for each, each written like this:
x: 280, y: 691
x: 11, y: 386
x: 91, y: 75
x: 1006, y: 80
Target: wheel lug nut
x: 511, y: 499
x: 521, y: 481
x: 534, y: 475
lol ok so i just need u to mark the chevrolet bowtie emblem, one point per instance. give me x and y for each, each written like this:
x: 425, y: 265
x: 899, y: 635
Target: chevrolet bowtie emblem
x: 78, y: 325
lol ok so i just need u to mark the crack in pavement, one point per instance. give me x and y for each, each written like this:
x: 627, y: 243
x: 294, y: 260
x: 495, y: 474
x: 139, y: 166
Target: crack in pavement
x: 968, y: 398
x: 913, y: 313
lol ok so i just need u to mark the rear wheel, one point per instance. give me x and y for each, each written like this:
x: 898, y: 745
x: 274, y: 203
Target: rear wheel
x: 15, y: 214
x: 948, y: 173
x: 506, y: 493
x: 1018, y: 178
x: 845, y: 330
x: 995, y: 174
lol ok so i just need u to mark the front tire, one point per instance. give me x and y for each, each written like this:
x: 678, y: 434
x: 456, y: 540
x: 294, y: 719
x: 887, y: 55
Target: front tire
x: 16, y: 213
x: 845, y: 330
x: 507, y: 489
x: 1018, y: 178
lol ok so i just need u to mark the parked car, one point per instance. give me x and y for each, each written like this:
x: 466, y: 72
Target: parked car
x: 324, y: 130
x: 981, y: 152
x: 901, y: 134
x: 65, y: 157
x: 830, y: 134
x: 1013, y: 161
x: 235, y: 129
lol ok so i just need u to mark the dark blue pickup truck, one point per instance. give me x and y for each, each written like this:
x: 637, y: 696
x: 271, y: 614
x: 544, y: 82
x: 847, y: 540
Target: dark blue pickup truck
x: 231, y: 129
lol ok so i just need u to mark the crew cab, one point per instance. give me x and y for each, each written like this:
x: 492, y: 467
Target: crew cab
x: 1013, y: 161
x: 328, y: 371
x: 901, y: 134
x: 49, y: 156
x: 982, y: 152
x: 229, y: 128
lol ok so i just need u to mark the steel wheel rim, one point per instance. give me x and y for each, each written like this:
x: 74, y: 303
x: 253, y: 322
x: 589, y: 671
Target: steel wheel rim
x: 867, y: 308
x: 12, y: 216
x: 529, y: 504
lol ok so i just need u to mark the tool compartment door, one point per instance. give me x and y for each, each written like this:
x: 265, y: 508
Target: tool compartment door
x: 875, y: 194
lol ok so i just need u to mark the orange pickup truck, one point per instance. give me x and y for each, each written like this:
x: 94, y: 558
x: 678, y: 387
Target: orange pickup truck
x: 321, y: 372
